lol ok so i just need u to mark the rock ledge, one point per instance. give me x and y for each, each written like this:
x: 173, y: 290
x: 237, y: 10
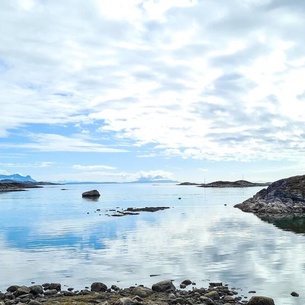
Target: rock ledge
x: 285, y: 196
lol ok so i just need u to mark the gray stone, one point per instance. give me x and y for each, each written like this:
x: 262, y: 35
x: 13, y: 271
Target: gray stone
x: 125, y: 301
x: 260, y: 300
x: 212, y: 295
x: 68, y: 293
x: 294, y: 294
x: 164, y: 286
x: 142, y: 292
x: 206, y: 300
x: 22, y: 290
x: 36, y: 289
x: 228, y: 298
x: 49, y: 292
x: 98, y: 287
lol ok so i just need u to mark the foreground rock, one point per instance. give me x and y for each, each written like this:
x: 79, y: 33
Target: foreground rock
x: 91, y: 194
x: 285, y: 196
x: 161, y: 293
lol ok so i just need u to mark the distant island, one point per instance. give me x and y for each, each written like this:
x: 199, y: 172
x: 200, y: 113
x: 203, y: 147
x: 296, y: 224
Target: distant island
x: 16, y: 182
x: 223, y: 184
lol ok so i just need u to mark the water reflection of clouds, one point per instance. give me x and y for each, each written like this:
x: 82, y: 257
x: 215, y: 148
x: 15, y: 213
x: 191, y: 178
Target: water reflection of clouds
x: 217, y: 243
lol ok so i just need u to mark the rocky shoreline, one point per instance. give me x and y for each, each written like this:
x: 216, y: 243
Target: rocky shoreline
x: 161, y: 293
x: 11, y: 186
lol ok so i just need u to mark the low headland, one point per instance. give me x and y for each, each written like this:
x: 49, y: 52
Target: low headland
x: 14, y: 186
x: 282, y: 197
x: 161, y: 293
x: 223, y: 184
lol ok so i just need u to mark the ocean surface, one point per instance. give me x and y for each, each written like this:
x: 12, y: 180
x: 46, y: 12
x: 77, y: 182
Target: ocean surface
x: 54, y: 235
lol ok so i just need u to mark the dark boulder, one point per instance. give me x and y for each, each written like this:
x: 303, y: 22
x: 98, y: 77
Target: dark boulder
x: 98, y: 287
x: 91, y: 194
x: 164, y: 286
x: 259, y: 300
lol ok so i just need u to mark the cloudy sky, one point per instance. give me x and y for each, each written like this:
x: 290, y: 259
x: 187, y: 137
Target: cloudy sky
x: 115, y: 90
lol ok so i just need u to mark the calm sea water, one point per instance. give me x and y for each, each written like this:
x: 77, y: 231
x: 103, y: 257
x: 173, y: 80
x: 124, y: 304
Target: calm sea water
x: 54, y: 235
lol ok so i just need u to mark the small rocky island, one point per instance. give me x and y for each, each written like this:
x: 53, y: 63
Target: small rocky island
x: 285, y: 196
x: 221, y: 184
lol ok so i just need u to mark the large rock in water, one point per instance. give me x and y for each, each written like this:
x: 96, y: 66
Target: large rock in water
x: 258, y: 300
x: 91, y: 194
x: 284, y: 196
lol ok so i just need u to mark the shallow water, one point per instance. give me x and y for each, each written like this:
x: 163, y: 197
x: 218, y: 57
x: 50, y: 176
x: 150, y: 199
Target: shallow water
x: 54, y: 235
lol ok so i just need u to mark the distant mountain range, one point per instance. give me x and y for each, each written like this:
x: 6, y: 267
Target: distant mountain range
x: 155, y: 179
x: 17, y: 178
x: 28, y: 178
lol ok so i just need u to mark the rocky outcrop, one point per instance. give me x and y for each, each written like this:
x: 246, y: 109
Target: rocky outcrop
x: 12, y: 186
x: 91, y: 194
x: 285, y: 196
x: 136, y: 211
x: 238, y: 183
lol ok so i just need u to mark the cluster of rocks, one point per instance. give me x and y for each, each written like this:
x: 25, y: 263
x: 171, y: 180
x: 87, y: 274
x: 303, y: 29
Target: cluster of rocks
x: 161, y: 293
x: 136, y: 211
x: 285, y: 196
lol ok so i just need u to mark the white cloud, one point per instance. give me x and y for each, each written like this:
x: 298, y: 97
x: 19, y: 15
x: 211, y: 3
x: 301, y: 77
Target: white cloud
x: 92, y: 167
x: 55, y: 142
x: 197, y: 79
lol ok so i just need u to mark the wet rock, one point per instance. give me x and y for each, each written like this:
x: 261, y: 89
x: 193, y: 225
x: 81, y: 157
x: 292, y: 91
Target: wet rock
x: 182, y: 286
x: 98, y: 287
x: 260, y: 300
x: 164, y: 286
x: 91, y: 194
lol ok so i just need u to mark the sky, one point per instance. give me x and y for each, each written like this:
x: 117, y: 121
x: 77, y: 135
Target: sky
x: 118, y: 90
